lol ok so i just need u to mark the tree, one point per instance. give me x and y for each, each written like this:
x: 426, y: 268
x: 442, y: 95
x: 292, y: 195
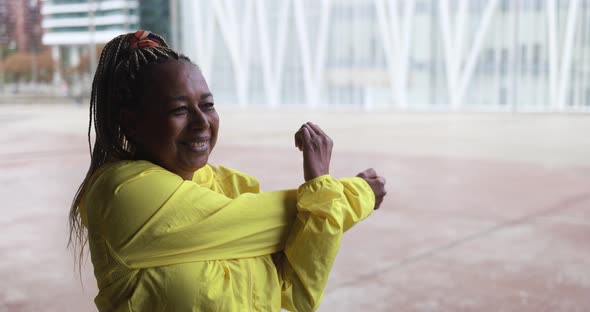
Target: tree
x: 20, y: 66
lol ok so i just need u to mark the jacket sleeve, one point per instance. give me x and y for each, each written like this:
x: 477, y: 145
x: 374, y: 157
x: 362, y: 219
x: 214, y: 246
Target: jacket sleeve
x: 151, y: 217
x: 325, y: 209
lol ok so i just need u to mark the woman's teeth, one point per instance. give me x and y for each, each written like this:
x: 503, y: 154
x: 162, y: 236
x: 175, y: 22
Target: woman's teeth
x: 199, y: 146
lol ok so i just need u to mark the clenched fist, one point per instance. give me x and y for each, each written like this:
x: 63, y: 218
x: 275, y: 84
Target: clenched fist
x: 377, y: 184
x: 317, y: 150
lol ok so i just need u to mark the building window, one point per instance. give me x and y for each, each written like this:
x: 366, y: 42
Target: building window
x: 536, y: 59
x: 505, y: 6
x: 504, y: 62
x: 503, y: 96
x: 525, y: 5
x: 373, y: 51
x: 421, y: 7
x: 490, y: 61
x: 523, y: 59
x: 476, y: 6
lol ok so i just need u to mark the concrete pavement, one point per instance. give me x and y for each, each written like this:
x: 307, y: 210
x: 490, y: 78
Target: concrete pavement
x: 485, y: 212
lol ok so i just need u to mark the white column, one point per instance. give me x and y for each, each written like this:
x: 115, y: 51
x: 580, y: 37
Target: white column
x: 236, y: 34
x: 74, y: 56
x: 272, y: 63
x: 174, y: 20
x: 396, y: 34
x: 458, y: 76
x: 552, y: 52
x: 467, y: 72
x: 313, y: 65
x: 566, y: 62
x: 55, y: 57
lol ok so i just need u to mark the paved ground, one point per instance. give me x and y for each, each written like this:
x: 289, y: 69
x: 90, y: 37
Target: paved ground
x: 485, y: 213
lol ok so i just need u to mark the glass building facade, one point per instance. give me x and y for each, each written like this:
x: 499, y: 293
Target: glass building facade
x: 484, y: 55
x: 154, y: 15
x: 75, y: 30
x: 71, y: 22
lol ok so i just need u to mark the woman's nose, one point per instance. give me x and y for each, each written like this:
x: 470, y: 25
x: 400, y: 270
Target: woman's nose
x: 198, y: 119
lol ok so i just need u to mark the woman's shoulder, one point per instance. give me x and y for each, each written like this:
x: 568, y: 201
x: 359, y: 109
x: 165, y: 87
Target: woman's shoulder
x: 235, y: 180
x: 113, y: 176
x: 223, y: 172
x: 128, y: 168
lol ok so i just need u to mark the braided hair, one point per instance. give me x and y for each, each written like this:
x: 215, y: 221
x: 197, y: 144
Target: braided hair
x: 115, y: 86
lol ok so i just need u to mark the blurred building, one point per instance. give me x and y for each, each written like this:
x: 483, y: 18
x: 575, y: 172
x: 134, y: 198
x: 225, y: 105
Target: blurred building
x: 74, y: 28
x: 492, y: 55
x: 20, y: 29
x: 154, y: 15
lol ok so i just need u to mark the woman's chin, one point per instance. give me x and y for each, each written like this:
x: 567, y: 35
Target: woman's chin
x: 196, y: 164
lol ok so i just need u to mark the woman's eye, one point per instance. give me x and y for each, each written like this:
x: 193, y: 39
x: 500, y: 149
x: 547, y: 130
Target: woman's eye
x: 179, y: 110
x: 207, y: 106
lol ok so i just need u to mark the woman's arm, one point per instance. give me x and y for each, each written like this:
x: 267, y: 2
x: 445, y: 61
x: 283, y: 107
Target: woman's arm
x: 326, y: 208
x: 151, y: 217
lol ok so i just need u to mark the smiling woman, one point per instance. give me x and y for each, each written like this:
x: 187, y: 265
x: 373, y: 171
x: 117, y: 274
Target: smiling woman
x: 176, y: 125
x: 169, y: 232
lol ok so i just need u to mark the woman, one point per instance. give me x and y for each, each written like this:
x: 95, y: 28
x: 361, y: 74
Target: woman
x: 167, y: 231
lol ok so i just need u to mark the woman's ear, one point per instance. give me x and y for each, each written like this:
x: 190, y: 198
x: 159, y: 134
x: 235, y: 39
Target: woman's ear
x: 128, y: 122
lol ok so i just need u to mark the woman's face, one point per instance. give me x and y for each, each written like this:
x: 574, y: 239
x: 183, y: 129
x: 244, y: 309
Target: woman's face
x: 175, y: 125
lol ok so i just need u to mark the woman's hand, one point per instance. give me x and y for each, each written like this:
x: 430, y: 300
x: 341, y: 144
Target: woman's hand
x: 317, y: 150
x: 377, y: 184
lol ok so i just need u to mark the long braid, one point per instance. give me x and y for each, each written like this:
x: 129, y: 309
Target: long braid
x: 112, y: 88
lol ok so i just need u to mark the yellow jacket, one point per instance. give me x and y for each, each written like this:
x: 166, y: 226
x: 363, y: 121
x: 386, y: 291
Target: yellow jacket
x: 160, y: 243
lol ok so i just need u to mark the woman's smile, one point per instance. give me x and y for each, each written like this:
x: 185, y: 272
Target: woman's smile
x: 199, y: 145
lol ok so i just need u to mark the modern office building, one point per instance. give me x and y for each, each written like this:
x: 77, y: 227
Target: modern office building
x: 492, y: 55
x: 154, y: 15
x: 75, y: 27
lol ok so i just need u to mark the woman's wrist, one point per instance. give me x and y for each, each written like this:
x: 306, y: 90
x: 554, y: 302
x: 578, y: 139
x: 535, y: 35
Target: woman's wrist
x: 316, y: 178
